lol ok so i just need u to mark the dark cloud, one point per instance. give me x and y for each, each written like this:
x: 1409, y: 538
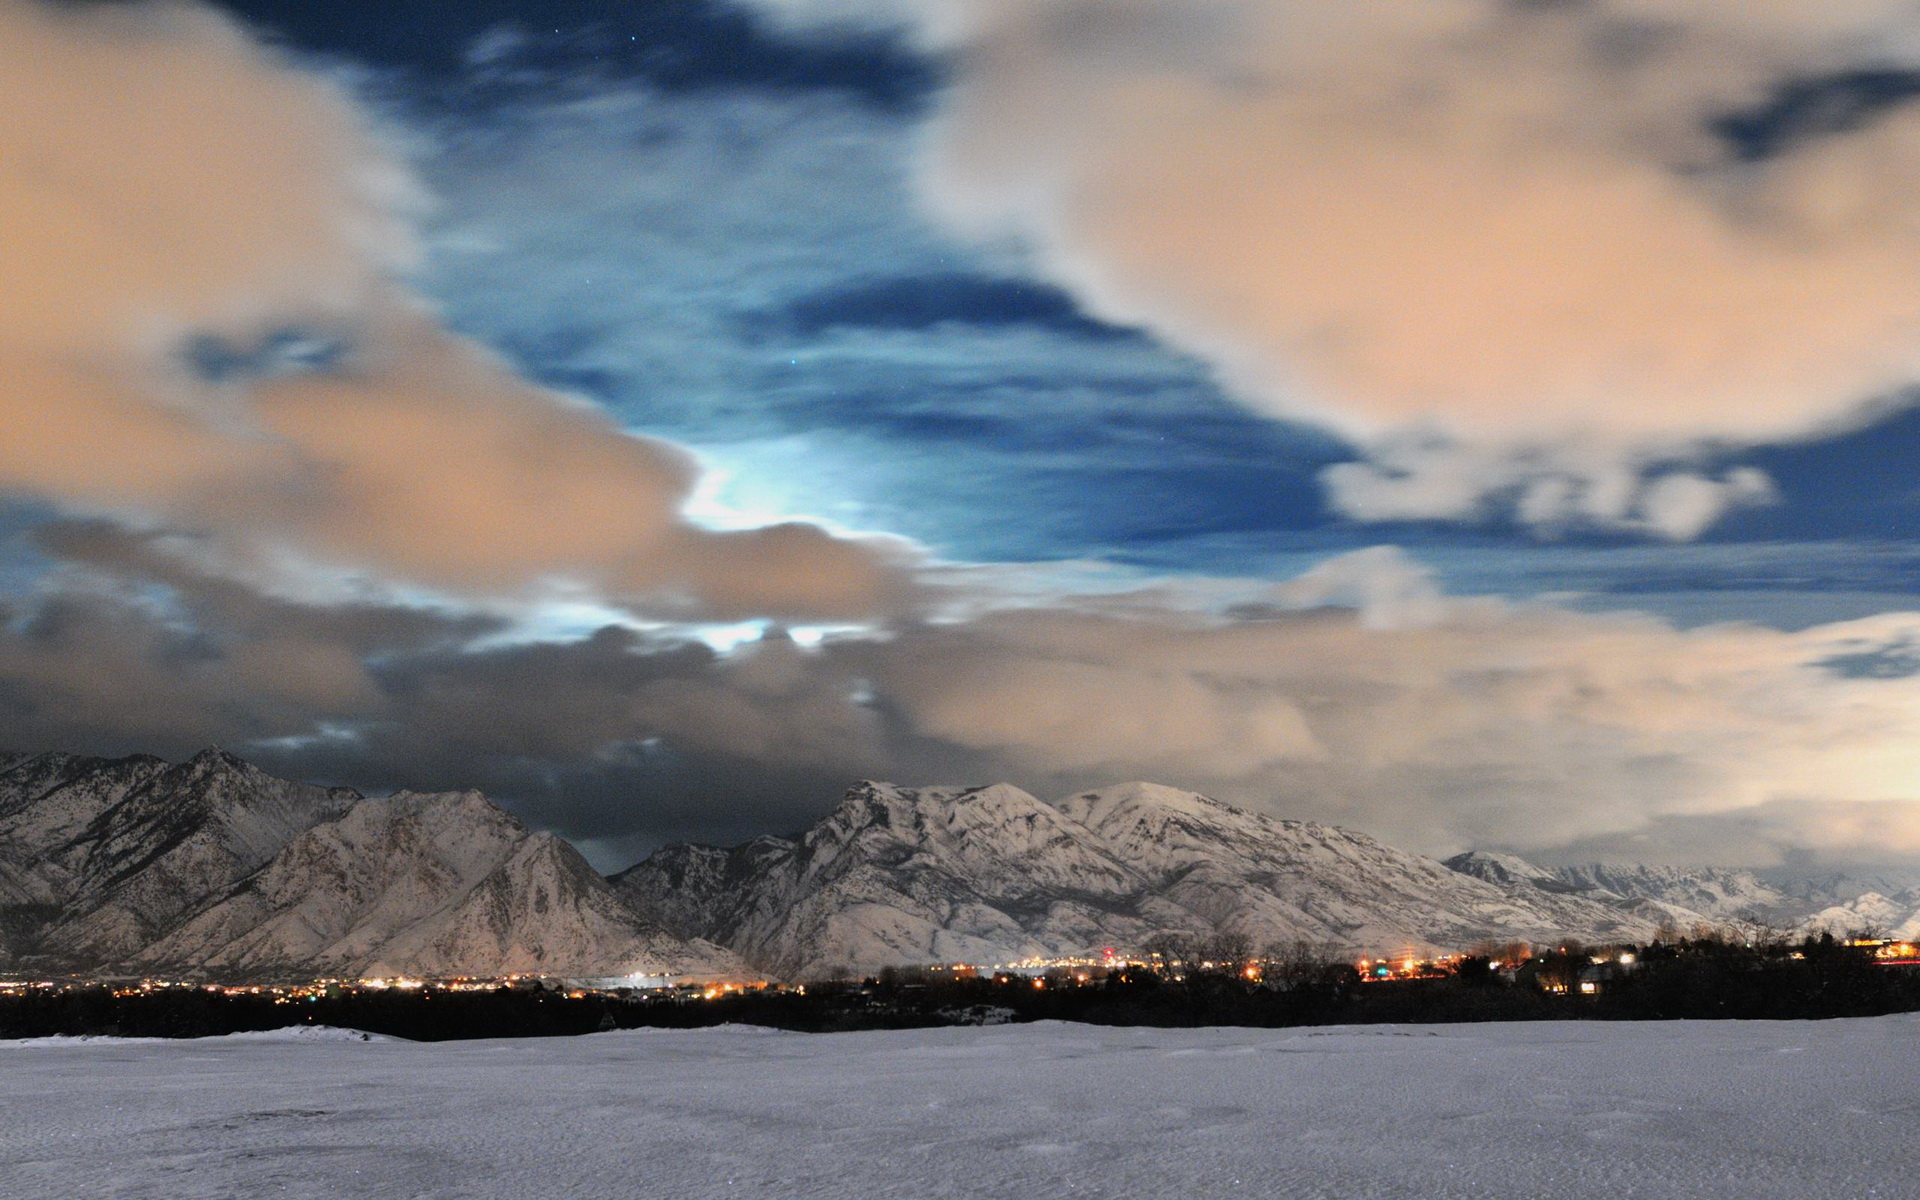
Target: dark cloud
x: 570, y: 735
x: 225, y: 608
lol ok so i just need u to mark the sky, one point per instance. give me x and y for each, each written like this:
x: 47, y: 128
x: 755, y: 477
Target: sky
x: 1485, y: 424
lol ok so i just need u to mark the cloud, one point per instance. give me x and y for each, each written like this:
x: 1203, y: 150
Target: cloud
x: 1559, y: 238
x: 206, y: 329
x: 1414, y: 478
x: 1523, y: 726
x: 1358, y: 693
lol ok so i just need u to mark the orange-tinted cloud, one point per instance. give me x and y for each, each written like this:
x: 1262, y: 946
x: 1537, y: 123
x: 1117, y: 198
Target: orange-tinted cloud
x: 1509, y: 228
x: 170, y: 193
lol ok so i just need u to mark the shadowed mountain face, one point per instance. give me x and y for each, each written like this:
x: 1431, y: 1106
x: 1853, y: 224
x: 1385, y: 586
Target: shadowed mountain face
x: 992, y: 874
x: 214, y: 868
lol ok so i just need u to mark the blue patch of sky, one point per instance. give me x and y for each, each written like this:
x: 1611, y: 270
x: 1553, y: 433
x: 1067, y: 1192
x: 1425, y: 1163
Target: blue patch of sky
x: 1861, y: 484
x: 1804, y: 108
x: 22, y: 562
x: 679, y: 46
x: 218, y: 359
x: 747, y: 274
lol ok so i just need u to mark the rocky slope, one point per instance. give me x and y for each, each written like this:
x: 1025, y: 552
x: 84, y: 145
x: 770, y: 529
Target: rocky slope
x: 117, y: 851
x: 215, y: 868
x: 433, y: 885
x: 900, y: 875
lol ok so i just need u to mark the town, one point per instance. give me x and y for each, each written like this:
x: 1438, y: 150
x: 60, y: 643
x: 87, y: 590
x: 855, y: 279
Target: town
x: 1712, y: 975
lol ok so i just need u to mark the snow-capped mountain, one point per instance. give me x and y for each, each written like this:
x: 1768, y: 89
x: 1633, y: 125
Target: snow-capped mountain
x: 214, y: 867
x: 428, y: 884
x: 1503, y: 870
x: 1711, y: 891
x: 1688, y: 897
x: 125, y: 848
x: 902, y: 875
x: 1807, y: 893
x: 1895, y: 916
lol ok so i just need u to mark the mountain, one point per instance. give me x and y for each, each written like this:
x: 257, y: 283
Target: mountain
x: 1806, y: 892
x: 899, y: 876
x: 1502, y: 870
x: 994, y: 875
x: 212, y: 867
x: 1713, y: 892
x: 125, y: 848
x: 1688, y: 897
x: 427, y: 884
x: 1874, y: 914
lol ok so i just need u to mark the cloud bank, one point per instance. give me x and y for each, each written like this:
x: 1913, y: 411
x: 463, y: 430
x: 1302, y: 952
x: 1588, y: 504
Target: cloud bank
x: 1559, y: 245
x: 1357, y: 693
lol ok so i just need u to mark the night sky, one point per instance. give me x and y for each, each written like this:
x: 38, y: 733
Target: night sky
x: 1484, y: 427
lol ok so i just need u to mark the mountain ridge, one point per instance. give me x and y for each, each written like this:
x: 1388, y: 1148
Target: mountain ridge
x: 213, y: 867
x: 887, y: 877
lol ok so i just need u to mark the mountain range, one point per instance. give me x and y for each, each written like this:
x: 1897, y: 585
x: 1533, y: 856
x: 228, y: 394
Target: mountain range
x: 213, y: 868
x: 995, y: 875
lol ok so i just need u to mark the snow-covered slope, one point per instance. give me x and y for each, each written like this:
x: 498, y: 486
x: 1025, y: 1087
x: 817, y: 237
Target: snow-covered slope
x: 901, y: 875
x: 1547, y: 1110
x: 1873, y: 914
x: 428, y: 884
x: 1711, y: 891
x: 116, y: 851
x: 1503, y: 870
x: 1682, y: 897
x: 46, y: 802
x: 898, y: 875
x: 213, y: 866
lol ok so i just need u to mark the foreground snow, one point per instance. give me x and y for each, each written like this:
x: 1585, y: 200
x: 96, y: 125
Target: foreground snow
x: 1748, y: 1110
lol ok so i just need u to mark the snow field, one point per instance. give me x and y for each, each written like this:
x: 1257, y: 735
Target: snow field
x: 1760, y: 1110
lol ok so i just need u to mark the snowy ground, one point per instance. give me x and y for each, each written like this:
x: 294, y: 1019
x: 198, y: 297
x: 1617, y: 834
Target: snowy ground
x: 1811, y: 1111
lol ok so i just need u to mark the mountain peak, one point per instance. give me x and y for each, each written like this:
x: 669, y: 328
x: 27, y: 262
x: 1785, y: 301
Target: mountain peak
x: 1134, y: 811
x: 996, y: 795
x: 990, y: 874
x: 1156, y: 796
x: 213, y: 758
x: 1495, y: 867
